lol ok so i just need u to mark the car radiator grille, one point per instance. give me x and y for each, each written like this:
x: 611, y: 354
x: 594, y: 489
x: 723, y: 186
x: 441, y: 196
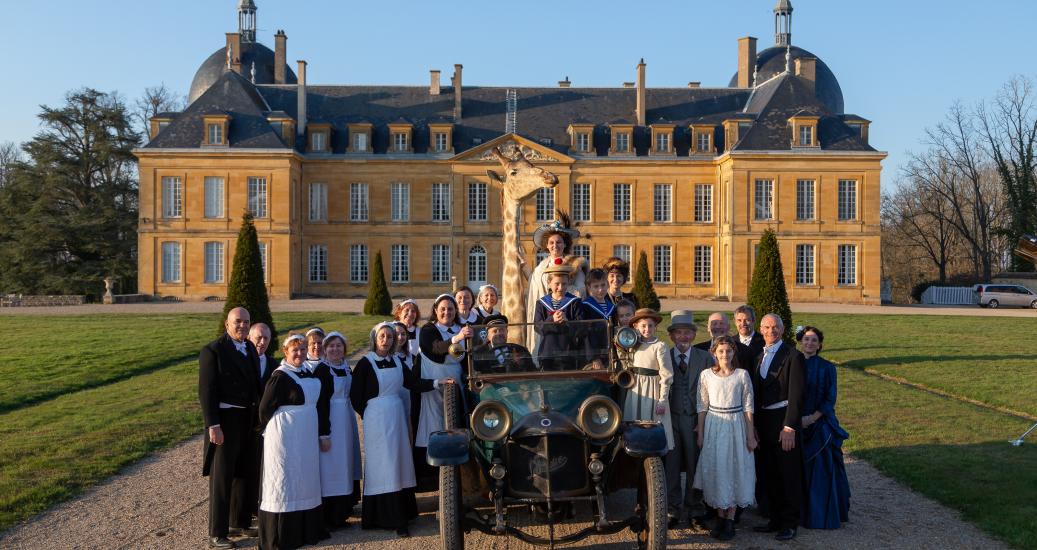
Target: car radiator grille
x: 547, y: 465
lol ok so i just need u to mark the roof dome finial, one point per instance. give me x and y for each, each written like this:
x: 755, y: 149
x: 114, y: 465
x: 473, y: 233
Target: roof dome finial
x: 247, y: 20
x: 783, y: 23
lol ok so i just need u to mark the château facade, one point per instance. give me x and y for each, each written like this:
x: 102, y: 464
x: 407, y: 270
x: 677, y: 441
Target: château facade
x: 334, y: 174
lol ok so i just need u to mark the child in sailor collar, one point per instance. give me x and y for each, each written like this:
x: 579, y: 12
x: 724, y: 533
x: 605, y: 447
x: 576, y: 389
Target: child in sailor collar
x: 597, y: 306
x: 553, y: 311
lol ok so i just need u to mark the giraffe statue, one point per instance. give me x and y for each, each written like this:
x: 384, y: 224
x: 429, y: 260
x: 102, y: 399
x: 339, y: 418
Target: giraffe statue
x: 521, y: 180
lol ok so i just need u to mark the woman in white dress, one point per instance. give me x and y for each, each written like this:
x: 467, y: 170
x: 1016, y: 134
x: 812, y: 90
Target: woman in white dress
x: 649, y: 397
x: 340, y: 468
x: 726, y: 471
x: 555, y: 238
x: 293, y: 416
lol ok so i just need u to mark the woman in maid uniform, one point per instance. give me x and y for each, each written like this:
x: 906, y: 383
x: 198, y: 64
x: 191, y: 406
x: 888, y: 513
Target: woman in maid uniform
x: 293, y: 416
x: 340, y: 468
x: 436, y: 365
x: 466, y: 312
x: 407, y: 361
x: 407, y: 312
x: 487, y: 302
x: 314, y: 348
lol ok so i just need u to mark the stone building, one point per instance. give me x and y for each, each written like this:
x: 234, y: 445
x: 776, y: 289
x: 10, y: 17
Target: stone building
x: 335, y: 173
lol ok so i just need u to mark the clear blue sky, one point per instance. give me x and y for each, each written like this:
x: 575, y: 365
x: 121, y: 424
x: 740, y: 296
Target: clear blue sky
x: 900, y: 63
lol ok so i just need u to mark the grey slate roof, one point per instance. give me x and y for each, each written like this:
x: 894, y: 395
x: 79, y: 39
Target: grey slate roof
x: 771, y: 62
x: 213, y: 68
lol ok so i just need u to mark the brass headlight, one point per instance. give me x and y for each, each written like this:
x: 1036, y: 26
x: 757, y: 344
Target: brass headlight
x: 491, y: 421
x: 627, y: 338
x: 599, y: 417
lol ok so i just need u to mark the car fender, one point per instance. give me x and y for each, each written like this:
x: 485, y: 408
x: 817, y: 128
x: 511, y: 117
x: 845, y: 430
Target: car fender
x: 448, y: 448
x: 642, y: 439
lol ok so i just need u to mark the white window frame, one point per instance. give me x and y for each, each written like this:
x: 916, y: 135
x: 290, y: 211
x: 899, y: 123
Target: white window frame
x: 583, y: 142
x: 623, y: 142
x: 400, y: 201
x: 806, y: 209
x: 360, y: 142
x: 702, y: 142
x: 541, y: 255
x: 172, y: 197
x: 399, y: 260
x: 621, y: 202
x: 763, y: 200
x: 806, y: 135
x: 171, y: 262
x: 214, y: 262
x: 583, y: 250
x: 400, y: 142
x: 264, y: 257
x: 662, y: 202
x: 806, y: 261
x: 358, y: 202
x: 318, y: 142
x: 440, y: 263
x: 477, y: 263
x: 847, y: 266
x: 257, y: 197
x: 622, y: 251
x: 318, y: 268
x: 703, y: 264
x: 478, y: 207
x: 440, y: 140
x: 214, y: 130
x: 214, y: 193
x: 704, y: 202
x: 581, y: 202
x: 441, y: 202
x: 662, y: 264
x: 662, y: 142
x: 545, y: 202
x: 318, y: 202
x: 847, y: 200
x: 358, y: 263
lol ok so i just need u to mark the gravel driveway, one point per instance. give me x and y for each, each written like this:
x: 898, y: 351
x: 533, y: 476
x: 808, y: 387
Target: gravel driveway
x: 161, y: 502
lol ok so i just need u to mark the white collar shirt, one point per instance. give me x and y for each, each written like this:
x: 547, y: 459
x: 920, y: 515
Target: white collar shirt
x: 746, y: 339
x: 768, y: 356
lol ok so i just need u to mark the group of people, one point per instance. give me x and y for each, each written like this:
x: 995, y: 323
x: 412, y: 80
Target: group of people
x: 749, y: 419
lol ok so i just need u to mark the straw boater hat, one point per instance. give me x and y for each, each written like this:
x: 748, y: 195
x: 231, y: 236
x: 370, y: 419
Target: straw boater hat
x: 558, y: 226
x: 682, y: 318
x: 559, y: 267
x: 645, y: 313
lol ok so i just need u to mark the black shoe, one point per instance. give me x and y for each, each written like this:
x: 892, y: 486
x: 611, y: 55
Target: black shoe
x: 727, y: 529
x: 738, y: 514
x: 403, y: 532
x: 221, y: 542
x: 785, y: 534
x: 718, y: 528
x: 673, y: 522
x: 766, y: 528
x: 247, y: 532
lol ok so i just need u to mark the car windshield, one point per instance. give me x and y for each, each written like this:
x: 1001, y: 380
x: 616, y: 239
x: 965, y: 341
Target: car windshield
x: 542, y: 347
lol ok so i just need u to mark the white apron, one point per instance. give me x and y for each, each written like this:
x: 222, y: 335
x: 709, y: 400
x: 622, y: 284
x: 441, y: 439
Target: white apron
x: 404, y: 392
x: 431, y: 417
x: 412, y: 343
x: 341, y: 465
x: 388, y: 464
x: 290, y: 449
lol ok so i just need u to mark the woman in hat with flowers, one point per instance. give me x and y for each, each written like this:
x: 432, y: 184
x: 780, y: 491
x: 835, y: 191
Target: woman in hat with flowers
x: 556, y: 238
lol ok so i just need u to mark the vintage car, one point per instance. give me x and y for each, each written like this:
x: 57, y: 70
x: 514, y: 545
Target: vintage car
x: 546, y: 433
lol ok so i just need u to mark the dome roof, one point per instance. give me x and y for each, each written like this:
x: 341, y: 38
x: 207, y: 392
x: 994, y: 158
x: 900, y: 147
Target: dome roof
x: 771, y: 61
x: 216, y: 64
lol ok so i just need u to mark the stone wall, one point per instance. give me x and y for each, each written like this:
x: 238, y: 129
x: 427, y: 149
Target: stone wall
x: 15, y: 300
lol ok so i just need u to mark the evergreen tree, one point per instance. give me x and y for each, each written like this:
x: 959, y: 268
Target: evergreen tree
x: 378, y: 300
x: 644, y: 291
x: 247, y: 287
x: 767, y: 292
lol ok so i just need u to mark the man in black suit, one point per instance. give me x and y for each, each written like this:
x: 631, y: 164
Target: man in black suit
x: 778, y: 386
x: 229, y: 392
x: 745, y: 322
x: 497, y: 355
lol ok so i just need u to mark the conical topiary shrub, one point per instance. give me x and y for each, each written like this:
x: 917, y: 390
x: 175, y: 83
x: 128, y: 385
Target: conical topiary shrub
x: 644, y: 291
x: 767, y: 292
x: 378, y: 300
x: 247, y: 287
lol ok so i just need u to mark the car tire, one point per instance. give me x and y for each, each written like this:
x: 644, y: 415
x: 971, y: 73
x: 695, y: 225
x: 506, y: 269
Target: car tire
x: 1033, y: 304
x: 653, y: 506
x: 451, y: 536
x: 993, y: 304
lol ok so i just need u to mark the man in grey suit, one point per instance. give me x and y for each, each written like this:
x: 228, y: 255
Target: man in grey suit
x: 688, y: 362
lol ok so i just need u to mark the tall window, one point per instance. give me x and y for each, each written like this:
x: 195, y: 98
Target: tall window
x: 477, y: 263
x: 622, y: 142
x: 621, y: 202
x: 703, y: 264
x: 318, y: 202
x: 661, y: 255
x: 847, y: 264
x: 215, y: 134
x: 257, y: 197
x: 172, y: 197
x: 440, y: 263
x: 318, y: 263
x: 214, y: 262
x: 360, y: 142
x: 400, y: 260
x: 847, y: 200
x: 622, y: 251
x: 440, y: 202
x: 662, y: 142
x: 358, y: 202
x: 477, y: 202
x: 806, y: 135
x: 704, y: 202
x: 441, y: 143
x: 400, y: 202
x: 171, y: 262
x: 213, y: 197
x: 804, y: 264
x: 583, y: 251
x: 764, y: 200
x: 545, y: 204
x: 804, y: 199
x: 263, y: 261
x: 663, y: 194
x: 581, y: 208
x: 358, y: 263
x: 583, y: 142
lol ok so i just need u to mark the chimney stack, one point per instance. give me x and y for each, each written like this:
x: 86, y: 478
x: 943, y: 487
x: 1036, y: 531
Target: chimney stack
x: 694, y: 84
x: 457, y: 93
x: 746, y: 61
x: 234, y: 45
x: 640, y: 109
x: 433, y: 85
x: 564, y: 83
x: 301, y: 95
x: 280, y: 57
x: 806, y: 68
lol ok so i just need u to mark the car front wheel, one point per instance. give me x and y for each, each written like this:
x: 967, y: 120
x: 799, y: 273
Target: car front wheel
x: 652, y: 504
x: 992, y: 304
x: 451, y: 535
x: 1033, y: 304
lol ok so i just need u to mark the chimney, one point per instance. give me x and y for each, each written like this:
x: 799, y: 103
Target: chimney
x: 746, y: 61
x: 301, y: 94
x: 628, y: 84
x: 564, y: 83
x: 806, y: 68
x: 640, y: 110
x: 457, y: 93
x: 694, y: 84
x: 433, y: 85
x: 280, y: 57
x: 234, y: 45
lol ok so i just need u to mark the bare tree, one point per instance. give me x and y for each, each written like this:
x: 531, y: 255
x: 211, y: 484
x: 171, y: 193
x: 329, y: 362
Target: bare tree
x: 156, y: 99
x: 919, y: 221
x: 10, y: 153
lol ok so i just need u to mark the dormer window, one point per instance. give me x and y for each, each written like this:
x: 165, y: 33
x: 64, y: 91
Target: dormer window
x: 583, y: 142
x: 158, y: 123
x: 441, y: 138
x: 215, y: 130
x: 622, y: 138
x: 283, y: 125
x: 859, y: 127
x: 318, y: 141
x: 400, y: 136
x: 581, y: 133
x: 804, y: 131
x: 359, y: 137
x: 662, y: 139
x: 734, y: 130
x: 806, y: 136
x: 399, y: 142
x: 360, y: 143
x: 320, y: 137
x: 622, y: 143
x: 702, y: 139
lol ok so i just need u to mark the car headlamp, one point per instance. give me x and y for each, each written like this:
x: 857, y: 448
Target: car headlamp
x: 627, y: 338
x: 599, y: 417
x: 491, y: 421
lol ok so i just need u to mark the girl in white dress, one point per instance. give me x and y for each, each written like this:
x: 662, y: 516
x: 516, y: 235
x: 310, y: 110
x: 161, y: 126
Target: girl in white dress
x: 726, y: 471
x: 649, y: 397
x: 340, y: 468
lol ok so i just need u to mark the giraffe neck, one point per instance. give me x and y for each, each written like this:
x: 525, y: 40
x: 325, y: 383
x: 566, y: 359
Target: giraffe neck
x: 513, y: 305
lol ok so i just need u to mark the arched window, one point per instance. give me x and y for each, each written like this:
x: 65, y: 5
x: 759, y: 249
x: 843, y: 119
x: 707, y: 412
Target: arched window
x: 477, y: 265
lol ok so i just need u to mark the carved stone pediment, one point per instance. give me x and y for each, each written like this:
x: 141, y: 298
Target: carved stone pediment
x: 509, y: 145
x: 509, y: 148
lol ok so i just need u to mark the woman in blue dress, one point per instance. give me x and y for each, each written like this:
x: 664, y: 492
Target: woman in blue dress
x: 827, y: 502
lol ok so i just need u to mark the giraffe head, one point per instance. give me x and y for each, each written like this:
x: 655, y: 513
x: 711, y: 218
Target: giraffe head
x: 521, y: 179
